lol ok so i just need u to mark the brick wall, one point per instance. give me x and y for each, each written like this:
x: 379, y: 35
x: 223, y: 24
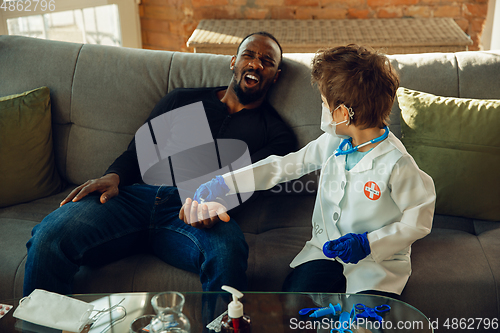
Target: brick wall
x: 167, y: 24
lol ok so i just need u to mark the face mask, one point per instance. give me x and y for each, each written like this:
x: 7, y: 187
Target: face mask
x: 327, y: 123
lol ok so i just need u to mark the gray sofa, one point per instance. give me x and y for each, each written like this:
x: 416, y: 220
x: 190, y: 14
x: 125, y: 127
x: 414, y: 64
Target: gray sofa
x: 101, y: 95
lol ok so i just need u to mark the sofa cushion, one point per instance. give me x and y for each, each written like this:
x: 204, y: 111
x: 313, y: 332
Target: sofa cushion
x: 450, y: 267
x: 27, y: 168
x: 15, y: 234
x: 456, y: 142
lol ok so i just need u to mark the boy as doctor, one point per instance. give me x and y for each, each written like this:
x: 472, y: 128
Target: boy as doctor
x: 373, y: 201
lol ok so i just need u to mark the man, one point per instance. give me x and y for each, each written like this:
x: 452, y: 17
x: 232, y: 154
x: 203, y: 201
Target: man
x: 102, y: 219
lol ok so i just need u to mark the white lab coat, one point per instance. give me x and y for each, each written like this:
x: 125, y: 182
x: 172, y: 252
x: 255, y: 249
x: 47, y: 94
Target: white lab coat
x: 385, y: 194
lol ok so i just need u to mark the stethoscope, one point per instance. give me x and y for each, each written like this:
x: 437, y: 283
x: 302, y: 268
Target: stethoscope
x: 340, y: 151
x: 350, y: 149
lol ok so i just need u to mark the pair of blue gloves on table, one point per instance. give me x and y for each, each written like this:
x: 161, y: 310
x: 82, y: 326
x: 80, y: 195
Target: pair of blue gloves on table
x: 350, y: 248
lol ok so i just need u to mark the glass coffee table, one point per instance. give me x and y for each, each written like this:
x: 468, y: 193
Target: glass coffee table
x: 269, y: 312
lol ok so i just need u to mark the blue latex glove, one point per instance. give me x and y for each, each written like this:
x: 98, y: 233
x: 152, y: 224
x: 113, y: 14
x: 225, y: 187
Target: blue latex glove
x: 350, y: 248
x: 211, y: 190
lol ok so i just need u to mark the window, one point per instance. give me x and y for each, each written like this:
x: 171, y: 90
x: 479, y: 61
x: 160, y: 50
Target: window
x: 105, y: 22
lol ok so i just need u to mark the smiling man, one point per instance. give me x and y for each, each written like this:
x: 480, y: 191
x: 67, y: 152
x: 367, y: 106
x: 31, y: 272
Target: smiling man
x: 100, y: 219
x: 255, y: 69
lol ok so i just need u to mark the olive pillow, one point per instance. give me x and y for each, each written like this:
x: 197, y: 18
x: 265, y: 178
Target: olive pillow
x: 456, y: 141
x: 27, y: 168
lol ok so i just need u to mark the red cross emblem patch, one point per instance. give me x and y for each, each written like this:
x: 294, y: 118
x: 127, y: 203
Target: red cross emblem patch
x: 372, y: 191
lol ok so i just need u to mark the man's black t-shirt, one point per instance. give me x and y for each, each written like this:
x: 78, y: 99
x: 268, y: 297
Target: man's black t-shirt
x: 261, y: 129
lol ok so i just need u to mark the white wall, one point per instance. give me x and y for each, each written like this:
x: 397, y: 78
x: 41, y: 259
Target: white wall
x: 491, y: 32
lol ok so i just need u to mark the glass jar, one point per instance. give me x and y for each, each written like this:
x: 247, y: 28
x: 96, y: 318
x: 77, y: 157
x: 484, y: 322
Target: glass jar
x: 169, y: 317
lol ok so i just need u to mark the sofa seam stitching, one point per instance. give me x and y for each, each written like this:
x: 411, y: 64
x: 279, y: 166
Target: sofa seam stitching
x: 71, y: 109
x: 489, y: 265
x: 15, y: 276
x: 169, y: 70
x: 253, y: 259
x: 458, y: 75
x: 100, y: 130
x: 136, y: 268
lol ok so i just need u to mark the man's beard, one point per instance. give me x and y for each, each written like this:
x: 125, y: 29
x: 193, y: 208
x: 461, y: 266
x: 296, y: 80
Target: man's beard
x: 244, y: 97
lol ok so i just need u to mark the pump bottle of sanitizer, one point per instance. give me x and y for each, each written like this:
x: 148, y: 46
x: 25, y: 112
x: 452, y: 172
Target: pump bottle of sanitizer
x: 235, y: 321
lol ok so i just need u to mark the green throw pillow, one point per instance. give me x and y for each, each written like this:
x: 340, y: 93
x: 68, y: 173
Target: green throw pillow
x: 27, y: 168
x: 456, y: 141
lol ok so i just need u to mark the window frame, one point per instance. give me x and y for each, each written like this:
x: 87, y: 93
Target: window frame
x: 128, y: 11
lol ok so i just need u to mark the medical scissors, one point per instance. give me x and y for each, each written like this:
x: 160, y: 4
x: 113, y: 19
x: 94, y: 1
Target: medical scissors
x: 363, y: 311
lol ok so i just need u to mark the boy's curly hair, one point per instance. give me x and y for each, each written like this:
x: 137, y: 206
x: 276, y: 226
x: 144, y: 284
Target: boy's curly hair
x: 359, y: 78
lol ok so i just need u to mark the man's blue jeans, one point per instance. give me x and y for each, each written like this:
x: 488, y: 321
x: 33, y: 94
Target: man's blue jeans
x: 140, y: 218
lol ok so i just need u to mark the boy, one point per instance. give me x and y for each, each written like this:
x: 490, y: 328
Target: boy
x: 373, y: 201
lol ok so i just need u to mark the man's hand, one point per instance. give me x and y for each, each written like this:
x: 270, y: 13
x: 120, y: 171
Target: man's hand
x: 203, y: 216
x: 107, y: 185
